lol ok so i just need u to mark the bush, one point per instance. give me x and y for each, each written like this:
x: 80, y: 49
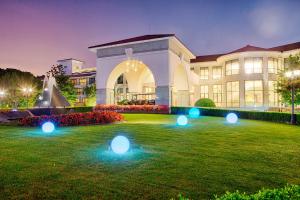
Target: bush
x: 289, y: 192
x: 205, y: 102
x: 73, y: 119
x: 134, y: 108
x: 81, y: 109
x: 257, y: 115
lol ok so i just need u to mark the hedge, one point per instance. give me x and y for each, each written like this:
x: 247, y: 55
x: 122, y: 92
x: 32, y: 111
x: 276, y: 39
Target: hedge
x: 243, y: 114
x: 289, y: 192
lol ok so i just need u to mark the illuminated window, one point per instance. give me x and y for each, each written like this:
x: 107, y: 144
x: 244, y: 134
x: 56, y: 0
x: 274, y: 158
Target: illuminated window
x: 217, y: 94
x: 274, y: 65
x: 74, y: 81
x: 82, y: 81
x: 232, y: 67
x: 253, y: 65
x: 79, y: 91
x: 203, y: 73
x: 233, y: 94
x: 253, y: 93
x: 217, y: 72
x: 273, y: 95
x: 203, y: 91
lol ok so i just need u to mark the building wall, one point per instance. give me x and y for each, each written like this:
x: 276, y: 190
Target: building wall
x: 242, y: 77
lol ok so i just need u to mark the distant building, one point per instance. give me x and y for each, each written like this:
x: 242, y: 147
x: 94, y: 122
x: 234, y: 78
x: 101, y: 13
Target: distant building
x: 161, y: 69
x: 79, y: 75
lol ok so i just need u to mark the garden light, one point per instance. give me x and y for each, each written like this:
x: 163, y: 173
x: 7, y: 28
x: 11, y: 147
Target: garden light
x: 194, y: 112
x: 120, y: 145
x: 232, y: 118
x: 182, y: 120
x: 48, y: 127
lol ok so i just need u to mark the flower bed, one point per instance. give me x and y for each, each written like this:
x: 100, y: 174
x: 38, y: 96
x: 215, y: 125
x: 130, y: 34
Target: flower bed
x: 162, y: 109
x: 74, y: 119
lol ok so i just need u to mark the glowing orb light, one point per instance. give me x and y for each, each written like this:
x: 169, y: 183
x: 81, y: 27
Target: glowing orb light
x: 194, y: 112
x: 182, y: 120
x: 120, y: 145
x: 48, y: 127
x: 232, y: 118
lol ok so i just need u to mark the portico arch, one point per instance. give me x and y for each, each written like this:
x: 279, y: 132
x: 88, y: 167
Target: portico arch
x: 140, y: 83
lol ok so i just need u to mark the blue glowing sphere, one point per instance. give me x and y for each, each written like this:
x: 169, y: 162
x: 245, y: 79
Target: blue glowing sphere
x: 48, y: 127
x: 120, y: 145
x: 194, y: 112
x: 182, y: 120
x: 232, y: 118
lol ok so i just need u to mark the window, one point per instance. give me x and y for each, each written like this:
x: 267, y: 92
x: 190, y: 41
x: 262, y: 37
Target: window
x: 92, y: 80
x: 233, y: 94
x: 74, y: 81
x: 232, y: 67
x: 274, y: 65
x: 203, y: 73
x: 253, y: 93
x: 217, y: 95
x: 203, y: 91
x: 79, y: 91
x: 217, y: 72
x: 82, y: 81
x: 253, y: 65
x: 273, y: 95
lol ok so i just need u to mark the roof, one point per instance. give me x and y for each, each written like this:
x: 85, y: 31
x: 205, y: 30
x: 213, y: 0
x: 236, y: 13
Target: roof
x: 287, y: 47
x: 66, y: 59
x: 248, y: 48
x: 214, y: 57
x: 82, y: 74
x: 134, y: 39
x: 206, y: 58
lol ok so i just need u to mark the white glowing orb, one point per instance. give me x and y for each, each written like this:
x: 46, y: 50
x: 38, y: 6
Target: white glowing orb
x: 194, y: 112
x: 120, y: 145
x: 48, y: 127
x: 232, y: 118
x: 182, y: 120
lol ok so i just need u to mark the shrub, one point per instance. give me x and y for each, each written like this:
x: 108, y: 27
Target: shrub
x: 134, y: 108
x: 73, y: 119
x: 289, y: 192
x: 81, y: 109
x: 257, y: 115
x: 205, y: 102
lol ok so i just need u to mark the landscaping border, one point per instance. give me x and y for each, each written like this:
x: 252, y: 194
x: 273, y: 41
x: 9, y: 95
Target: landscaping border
x: 280, y: 117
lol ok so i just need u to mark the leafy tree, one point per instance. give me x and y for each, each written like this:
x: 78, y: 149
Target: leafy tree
x: 285, y: 84
x: 12, y: 82
x: 90, y: 92
x: 64, y: 83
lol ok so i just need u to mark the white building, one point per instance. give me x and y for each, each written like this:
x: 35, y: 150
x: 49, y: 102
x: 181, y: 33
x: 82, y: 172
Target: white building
x: 161, y: 69
x: 79, y: 75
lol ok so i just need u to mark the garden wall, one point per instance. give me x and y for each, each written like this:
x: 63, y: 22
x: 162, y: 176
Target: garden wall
x: 256, y: 115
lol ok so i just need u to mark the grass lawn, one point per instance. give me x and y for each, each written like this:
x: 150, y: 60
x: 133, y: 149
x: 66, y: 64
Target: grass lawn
x: 205, y: 158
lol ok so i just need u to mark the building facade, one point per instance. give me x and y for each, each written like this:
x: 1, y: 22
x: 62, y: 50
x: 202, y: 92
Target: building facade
x: 160, y: 69
x: 80, y: 76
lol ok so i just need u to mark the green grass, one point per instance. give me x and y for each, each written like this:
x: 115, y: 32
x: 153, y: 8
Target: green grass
x: 205, y: 158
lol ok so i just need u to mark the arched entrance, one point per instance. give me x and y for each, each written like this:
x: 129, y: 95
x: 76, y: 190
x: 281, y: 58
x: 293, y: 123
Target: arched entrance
x: 181, y: 90
x: 131, y: 82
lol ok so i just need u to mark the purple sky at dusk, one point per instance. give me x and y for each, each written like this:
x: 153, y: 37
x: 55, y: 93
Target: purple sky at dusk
x: 36, y: 33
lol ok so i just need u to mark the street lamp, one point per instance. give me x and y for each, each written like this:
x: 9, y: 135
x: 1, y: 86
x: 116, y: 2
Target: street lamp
x: 27, y: 92
x: 293, y: 75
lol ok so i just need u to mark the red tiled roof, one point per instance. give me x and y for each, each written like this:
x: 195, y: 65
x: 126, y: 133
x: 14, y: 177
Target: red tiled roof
x: 248, y: 48
x: 134, y: 39
x: 206, y: 58
x: 286, y: 47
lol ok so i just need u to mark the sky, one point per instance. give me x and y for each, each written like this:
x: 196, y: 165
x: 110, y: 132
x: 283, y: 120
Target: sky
x: 34, y: 34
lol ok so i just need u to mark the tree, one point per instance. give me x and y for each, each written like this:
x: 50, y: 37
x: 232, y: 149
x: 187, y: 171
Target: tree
x: 285, y: 83
x: 90, y: 92
x: 12, y: 82
x: 64, y: 83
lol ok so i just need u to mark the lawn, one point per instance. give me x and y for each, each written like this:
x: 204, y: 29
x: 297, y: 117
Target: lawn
x: 204, y: 158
